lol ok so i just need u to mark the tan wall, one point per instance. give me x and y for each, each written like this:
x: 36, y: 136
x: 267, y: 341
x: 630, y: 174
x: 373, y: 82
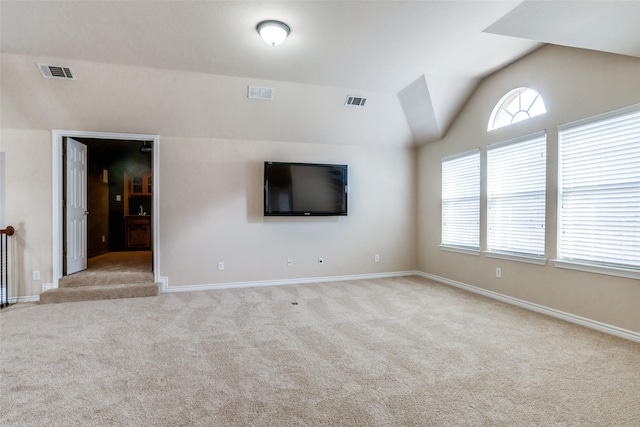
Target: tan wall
x: 117, y: 98
x: 28, y: 169
x: 211, y: 209
x: 213, y: 142
x: 574, y: 84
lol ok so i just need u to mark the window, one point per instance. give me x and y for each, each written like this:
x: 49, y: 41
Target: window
x: 461, y: 201
x: 516, y: 196
x: 517, y: 105
x: 599, y: 190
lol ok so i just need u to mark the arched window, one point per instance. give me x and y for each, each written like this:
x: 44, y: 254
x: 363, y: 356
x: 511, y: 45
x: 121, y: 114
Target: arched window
x: 517, y: 105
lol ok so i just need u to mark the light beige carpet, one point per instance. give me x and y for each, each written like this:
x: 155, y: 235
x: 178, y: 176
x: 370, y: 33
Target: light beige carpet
x: 113, y: 268
x: 132, y: 261
x: 384, y: 352
x: 109, y: 276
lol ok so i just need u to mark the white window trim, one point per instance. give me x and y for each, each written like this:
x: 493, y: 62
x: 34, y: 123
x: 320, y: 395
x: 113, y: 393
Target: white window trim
x: 517, y: 139
x: 598, y: 269
x: 596, y: 117
x: 500, y: 106
x: 471, y: 250
x: 459, y: 249
x: 579, y: 265
x: 517, y: 258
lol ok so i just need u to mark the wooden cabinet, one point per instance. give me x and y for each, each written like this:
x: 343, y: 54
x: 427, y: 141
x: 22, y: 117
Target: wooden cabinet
x: 138, y: 232
x: 141, y: 185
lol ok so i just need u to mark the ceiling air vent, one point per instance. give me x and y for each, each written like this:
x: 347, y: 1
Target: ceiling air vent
x: 260, y: 93
x: 56, y: 72
x: 355, y: 101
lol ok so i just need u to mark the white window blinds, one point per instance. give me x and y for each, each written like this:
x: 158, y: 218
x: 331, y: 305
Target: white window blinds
x: 516, y: 196
x: 461, y: 201
x: 599, y: 190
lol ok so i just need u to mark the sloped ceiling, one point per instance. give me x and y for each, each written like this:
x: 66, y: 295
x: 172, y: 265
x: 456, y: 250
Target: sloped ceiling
x: 609, y: 26
x: 432, y: 54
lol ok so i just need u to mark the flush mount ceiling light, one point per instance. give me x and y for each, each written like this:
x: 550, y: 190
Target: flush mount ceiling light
x: 273, y: 32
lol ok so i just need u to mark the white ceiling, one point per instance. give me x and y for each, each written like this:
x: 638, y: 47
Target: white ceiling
x: 431, y: 53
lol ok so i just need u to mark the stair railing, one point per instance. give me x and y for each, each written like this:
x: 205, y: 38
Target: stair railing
x: 4, y: 265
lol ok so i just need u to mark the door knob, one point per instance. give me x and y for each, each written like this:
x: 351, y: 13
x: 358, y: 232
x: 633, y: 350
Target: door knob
x: 86, y: 212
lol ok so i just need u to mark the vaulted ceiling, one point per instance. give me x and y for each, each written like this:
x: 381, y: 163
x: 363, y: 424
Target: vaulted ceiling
x: 431, y: 54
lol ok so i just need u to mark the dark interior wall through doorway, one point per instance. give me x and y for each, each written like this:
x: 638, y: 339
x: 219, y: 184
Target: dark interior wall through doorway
x: 97, y: 205
x: 106, y: 201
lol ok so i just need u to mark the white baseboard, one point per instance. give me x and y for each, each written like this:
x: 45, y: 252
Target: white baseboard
x: 592, y: 324
x: 280, y: 282
x: 572, y: 318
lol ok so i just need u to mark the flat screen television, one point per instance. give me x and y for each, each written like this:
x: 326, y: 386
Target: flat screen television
x: 305, y: 189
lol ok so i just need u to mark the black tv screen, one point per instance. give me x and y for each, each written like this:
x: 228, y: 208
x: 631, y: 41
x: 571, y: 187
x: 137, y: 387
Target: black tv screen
x: 304, y: 189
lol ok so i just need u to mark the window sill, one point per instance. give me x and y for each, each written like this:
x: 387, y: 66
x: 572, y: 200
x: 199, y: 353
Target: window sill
x: 598, y: 269
x: 518, y: 258
x: 467, y: 251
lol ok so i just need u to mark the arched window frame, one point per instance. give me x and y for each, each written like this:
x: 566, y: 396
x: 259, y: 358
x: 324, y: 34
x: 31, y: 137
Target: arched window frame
x: 517, y: 105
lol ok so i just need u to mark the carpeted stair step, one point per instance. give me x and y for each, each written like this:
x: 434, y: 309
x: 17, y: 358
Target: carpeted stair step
x: 99, y: 292
x: 87, y: 278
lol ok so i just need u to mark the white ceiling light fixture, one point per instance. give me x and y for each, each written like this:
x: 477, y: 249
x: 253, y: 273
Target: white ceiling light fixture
x: 273, y: 32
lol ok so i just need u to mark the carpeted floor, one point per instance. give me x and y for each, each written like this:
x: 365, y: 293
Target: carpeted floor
x: 113, y: 267
x: 112, y: 275
x: 383, y: 352
x: 132, y: 261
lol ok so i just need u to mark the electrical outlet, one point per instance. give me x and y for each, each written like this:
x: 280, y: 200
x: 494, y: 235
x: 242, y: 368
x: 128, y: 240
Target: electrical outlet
x: 290, y: 262
x: 36, y: 275
x: 220, y: 265
x: 320, y: 260
x: 376, y: 258
x: 498, y: 272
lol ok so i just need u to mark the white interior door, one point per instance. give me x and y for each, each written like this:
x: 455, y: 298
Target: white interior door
x: 76, y: 206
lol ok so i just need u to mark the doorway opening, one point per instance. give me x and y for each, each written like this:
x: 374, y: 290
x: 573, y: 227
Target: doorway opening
x: 119, y: 209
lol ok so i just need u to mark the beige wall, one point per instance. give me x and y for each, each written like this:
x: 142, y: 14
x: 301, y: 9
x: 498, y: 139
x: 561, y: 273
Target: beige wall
x: 211, y: 210
x: 28, y: 207
x: 213, y: 142
x: 117, y: 98
x: 574, y: 84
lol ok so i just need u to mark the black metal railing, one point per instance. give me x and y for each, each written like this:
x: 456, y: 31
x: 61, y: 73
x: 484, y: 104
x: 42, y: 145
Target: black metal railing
x: 4, y: 265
